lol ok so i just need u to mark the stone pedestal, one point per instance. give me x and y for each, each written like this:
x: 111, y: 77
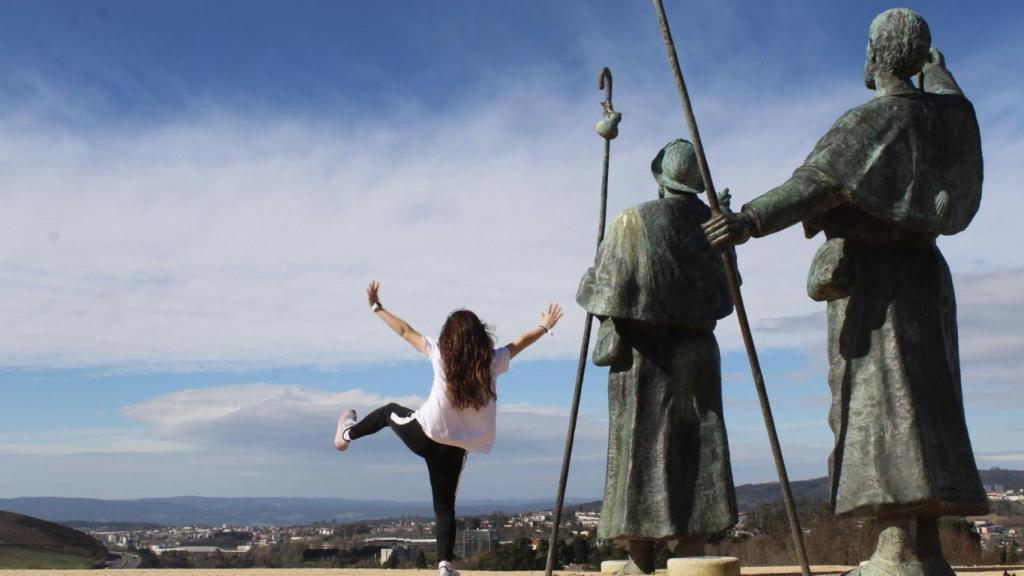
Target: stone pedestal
x: 612, y: 566
x: 906, y: 547
x: 704, y: 566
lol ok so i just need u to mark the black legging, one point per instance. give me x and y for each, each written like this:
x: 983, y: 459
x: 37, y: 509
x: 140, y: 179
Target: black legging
x: 444, y: 464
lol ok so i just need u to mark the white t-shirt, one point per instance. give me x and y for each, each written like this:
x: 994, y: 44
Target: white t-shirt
x: 471, y: 429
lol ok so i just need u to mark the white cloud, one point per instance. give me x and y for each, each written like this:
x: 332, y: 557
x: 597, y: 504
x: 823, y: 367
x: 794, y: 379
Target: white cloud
x: 991, y: 312
x: 188, y: 409
x: 1014, y: 457
x: 274, y: 439
x: 214, y: 241
x: 255, y: 414
x: 990, y: 309
x: 68, y: 442
x: 217, y: 240
x: 269, y: 428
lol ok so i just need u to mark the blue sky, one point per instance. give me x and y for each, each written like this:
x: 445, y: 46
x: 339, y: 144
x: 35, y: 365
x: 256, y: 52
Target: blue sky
x: 195, y: 195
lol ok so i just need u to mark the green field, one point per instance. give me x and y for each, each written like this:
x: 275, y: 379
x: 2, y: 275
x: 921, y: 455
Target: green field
x: 28, y: 558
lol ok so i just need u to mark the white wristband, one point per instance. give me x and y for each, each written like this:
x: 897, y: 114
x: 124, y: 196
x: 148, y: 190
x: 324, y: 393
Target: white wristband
x: 546, y: 329
x: 375, y: 306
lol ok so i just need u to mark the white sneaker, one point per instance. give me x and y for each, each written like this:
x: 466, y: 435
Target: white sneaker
x: 445, y: 568
x: 345, y: 421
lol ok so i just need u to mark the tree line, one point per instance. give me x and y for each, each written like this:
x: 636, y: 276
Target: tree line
x: 763, y: 541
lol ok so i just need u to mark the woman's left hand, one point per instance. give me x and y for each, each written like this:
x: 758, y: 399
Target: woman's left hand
x: 552, y: 316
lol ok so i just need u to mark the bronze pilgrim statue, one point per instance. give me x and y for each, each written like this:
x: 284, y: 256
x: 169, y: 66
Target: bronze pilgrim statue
x: 658, y: 288
x: 888, y: 178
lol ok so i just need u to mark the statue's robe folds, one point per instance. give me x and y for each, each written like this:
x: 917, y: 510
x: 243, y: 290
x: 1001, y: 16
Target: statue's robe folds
x: 659, y: 287
x: 883, y: 183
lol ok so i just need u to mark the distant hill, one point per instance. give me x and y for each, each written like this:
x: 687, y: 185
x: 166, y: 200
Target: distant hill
x: 31, y: 543
x: 750, y: 496
x: 1009, y: 479
x: 191, y: 510
x: 111, y: 526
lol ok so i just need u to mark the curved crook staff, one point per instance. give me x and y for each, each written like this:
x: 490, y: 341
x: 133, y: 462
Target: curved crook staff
x: 608, y: 129
x: 606, y: 75
x: 737, y: 298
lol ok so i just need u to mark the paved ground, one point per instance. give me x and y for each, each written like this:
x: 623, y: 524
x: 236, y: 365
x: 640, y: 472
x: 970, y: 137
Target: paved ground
x: 747, y: 571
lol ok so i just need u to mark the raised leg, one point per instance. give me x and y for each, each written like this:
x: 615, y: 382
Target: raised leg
x: 377, y: 420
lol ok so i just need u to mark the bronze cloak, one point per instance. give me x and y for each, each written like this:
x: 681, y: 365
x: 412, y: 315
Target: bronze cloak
x: 660, y: 287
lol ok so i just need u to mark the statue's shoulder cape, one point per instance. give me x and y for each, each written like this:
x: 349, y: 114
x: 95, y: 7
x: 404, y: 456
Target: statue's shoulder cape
x: 656, y: 265
x: 913, y: 160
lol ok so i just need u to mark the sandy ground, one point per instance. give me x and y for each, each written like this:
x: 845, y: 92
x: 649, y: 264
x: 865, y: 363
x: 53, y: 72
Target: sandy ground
x: 747, y: 571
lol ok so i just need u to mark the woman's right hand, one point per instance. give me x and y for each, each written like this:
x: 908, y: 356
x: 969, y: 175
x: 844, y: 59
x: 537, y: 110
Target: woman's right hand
x: 371, y: 293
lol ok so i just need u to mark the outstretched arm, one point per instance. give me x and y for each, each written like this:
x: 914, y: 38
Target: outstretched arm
x: 547, y: 322
x: 401, y: 327
x: 805, y: 195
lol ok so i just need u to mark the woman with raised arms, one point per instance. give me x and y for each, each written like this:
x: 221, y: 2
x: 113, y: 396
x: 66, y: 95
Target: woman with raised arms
x: 459, y: 414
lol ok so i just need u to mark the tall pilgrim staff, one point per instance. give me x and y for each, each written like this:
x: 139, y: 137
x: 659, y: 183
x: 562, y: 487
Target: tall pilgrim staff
x: 607, y: 128
x: 737, y: 297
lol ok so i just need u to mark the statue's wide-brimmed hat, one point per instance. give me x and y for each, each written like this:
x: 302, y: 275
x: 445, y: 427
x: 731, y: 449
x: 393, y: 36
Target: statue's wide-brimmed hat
x: 675, y: 167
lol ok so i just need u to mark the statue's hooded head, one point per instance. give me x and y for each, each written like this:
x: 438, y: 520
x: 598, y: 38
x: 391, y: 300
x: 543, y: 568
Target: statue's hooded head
x: 675, y: 169
x: 898, y: 45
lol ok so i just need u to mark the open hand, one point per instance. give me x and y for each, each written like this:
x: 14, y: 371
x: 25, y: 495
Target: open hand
x: 935, y: 58
x: 551, y: 317
x: 727, y: 228
x: 371, y: 293
x: 725, y: 201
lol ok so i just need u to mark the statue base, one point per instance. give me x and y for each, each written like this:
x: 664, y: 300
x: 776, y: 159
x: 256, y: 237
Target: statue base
x: 621, y: 568
x: 907, y: 547
x: 613, y: 566
x: 704, y: 566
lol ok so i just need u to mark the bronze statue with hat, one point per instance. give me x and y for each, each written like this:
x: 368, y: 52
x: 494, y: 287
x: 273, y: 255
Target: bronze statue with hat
x: 658, y: 288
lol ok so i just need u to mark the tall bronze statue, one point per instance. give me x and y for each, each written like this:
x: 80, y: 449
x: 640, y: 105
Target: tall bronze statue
x: 887, y: 179
x: 658, y: 288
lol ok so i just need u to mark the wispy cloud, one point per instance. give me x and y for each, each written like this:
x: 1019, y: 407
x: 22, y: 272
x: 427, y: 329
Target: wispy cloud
x: 223, y: 236
x: 213, y: 240
x: 278, y: 438
x: 68, y: 442
x: 272, y: 426
x: 1004, y: 457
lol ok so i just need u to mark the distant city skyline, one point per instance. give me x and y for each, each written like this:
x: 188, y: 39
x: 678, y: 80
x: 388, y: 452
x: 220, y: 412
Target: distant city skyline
x: 193, y: 197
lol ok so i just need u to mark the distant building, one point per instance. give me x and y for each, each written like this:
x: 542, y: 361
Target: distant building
x: 477, y: 541
x: 158, y: 550
x: 588, y: 518
x: 400, y: 553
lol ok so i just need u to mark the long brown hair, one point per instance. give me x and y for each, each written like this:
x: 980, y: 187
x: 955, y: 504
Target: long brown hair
x: 467, y: 346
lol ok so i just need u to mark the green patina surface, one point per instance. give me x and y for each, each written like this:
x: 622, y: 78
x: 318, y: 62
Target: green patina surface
x: 888, y: 178
x: 659, y: 288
